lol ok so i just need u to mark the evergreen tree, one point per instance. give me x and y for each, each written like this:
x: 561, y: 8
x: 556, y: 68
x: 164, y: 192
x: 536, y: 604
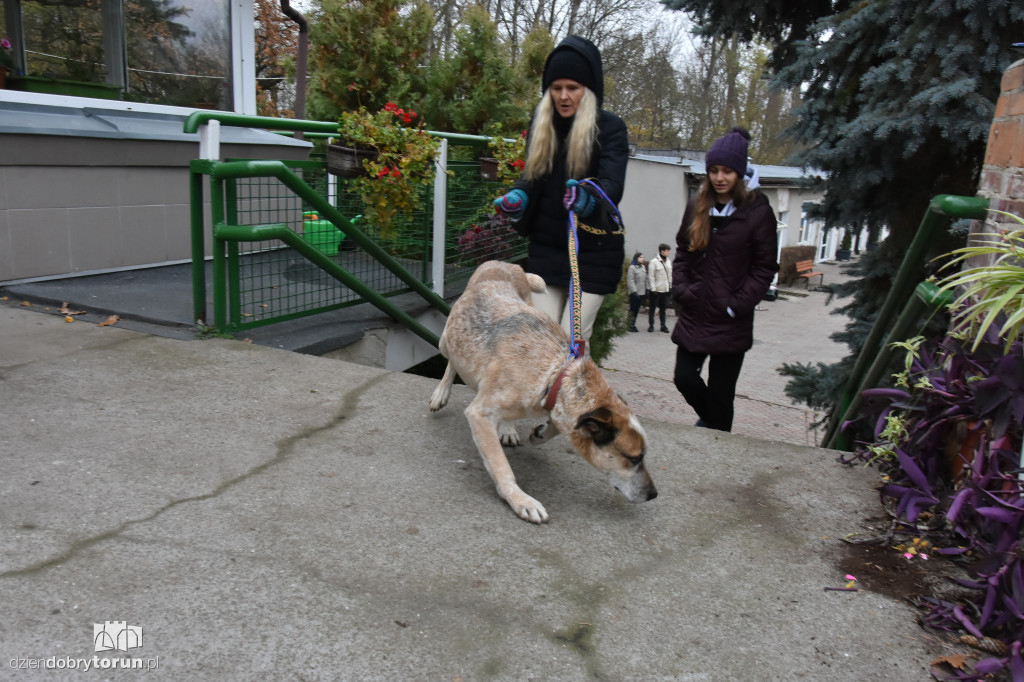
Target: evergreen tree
x: 473, y: 90
x: 898, y: 100
x: 367, y: 53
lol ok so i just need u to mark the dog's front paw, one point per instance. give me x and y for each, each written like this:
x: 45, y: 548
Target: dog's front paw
x: 508, y: 434
x: 440, y: 397
x: 528, y: 508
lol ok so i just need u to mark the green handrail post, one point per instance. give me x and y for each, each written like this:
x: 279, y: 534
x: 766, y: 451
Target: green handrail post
x: 197, y: 170
x: 926, y: 297
x: 940, y: 207
x: 219, y: 274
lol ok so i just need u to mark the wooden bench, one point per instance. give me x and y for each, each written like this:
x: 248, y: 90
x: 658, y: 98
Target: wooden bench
x: 805, y: 269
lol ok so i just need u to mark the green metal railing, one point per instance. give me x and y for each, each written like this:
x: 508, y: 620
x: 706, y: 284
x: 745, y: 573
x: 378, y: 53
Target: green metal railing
x: 284, y: 246
x: 916, y: 299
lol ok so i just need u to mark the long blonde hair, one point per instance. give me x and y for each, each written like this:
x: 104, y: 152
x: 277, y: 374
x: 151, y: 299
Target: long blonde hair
x: 540, y: 155
x: 700, y: 229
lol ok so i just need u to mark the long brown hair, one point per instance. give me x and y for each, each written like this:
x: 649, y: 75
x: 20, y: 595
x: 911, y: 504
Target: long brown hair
x: 700, y: 229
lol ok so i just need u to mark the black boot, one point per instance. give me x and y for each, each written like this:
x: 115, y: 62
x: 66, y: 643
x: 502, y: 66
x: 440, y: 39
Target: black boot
x: 632, y: 323
x: 663, y: 327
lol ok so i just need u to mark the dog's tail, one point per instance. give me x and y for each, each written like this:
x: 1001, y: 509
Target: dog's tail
x: 536, y: 282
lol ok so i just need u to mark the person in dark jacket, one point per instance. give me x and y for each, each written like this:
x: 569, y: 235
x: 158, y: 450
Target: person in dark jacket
x: 571, y: 138
x: 724, y: 264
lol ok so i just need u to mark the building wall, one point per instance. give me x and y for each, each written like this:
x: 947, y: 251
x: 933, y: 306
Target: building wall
x: 76, y: 204
x: 1002, y: 177
x: 652, y: 205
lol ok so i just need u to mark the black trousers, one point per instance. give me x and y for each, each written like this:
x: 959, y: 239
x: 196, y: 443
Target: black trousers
x: 634, y: 306
x: 712, y: 401
x: 659, y: 299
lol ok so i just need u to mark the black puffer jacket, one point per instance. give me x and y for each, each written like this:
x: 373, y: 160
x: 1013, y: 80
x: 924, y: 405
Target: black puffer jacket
x: 545, y: 220
x: 734, y: 271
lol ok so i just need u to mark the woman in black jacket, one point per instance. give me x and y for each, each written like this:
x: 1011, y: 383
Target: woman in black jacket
x: 571, y: 138
x: 724, y: 264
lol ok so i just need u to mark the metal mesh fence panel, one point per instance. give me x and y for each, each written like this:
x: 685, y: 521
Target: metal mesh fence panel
x: 271, y: 282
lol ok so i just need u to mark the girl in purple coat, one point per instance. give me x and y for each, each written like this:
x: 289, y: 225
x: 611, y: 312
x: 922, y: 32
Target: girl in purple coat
x: 724, y: 264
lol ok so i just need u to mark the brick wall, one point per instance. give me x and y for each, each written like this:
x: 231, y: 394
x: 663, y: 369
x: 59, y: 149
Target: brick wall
x: 1002, y: 178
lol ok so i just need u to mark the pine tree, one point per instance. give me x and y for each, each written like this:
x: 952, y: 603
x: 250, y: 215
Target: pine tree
x: 898, y: 100
x: 367, y: 53
x: 472, y: 91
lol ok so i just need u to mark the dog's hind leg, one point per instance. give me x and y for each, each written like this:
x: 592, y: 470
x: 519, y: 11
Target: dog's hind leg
x: 485, y: 435
x: 444, y: 389
x: 544, y: 432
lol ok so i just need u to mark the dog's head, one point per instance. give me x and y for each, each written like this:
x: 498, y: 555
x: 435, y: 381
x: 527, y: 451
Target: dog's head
x: 613, y: 441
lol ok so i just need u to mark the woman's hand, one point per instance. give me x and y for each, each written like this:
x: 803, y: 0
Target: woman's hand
x: 512, y: 204
x: 577, y: 199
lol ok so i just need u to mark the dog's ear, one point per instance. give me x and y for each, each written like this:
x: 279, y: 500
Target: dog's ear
x: 597, y: 425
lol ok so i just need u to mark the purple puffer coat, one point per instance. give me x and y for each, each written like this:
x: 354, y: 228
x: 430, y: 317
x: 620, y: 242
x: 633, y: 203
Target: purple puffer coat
x: 734, y: 271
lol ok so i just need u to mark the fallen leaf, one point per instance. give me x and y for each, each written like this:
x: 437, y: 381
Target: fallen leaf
x: 957, y: 661
x: 26, y: 304
x: 64, y: 310
x: 113, y: 319
x: 68, y: 318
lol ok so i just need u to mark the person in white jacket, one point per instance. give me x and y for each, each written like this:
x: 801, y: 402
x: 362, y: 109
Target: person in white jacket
x: 659, y: 281
x: 636, y: 282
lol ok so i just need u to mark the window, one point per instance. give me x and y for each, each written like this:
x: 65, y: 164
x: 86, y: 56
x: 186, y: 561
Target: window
x: 174, y: 52
x: 809, y: 226
x: 179, y: 52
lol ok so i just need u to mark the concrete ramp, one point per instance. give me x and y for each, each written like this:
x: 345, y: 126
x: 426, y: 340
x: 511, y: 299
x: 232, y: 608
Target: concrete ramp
x: 261, y: 514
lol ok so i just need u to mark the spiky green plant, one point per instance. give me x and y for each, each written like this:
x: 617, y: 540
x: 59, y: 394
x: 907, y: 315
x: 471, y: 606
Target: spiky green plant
x: 990, y: 293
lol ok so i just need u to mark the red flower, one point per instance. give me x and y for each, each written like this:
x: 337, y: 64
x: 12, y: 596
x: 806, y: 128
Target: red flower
x: 383, y: 173
x: 390, y: 106
x: 351, y: 86
x: 407, y: 119
x: 518, y: 164
x: 412, y: 113
x: 524, y: 133
x: 395, y: 173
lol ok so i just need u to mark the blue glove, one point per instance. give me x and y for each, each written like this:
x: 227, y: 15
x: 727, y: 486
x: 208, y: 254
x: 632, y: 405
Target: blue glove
x: 513, y: 204
x: 578, y: 199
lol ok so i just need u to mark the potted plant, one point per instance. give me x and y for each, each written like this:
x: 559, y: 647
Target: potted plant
x: 843, y: 252
x: 395, y: 155
x: 6, y: 60
x: 506, y: 161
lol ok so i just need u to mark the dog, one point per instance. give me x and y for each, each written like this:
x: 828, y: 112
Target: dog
x: 517, y: 360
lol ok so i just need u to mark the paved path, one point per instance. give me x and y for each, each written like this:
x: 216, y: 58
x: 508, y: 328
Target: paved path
x: 263, y: 514
x: 792, y: 329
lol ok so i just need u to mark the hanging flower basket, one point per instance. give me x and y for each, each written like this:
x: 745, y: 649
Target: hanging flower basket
x: 347, y: 162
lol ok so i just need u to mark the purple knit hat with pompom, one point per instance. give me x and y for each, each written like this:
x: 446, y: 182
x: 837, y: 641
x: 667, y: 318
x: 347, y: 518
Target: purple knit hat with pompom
x: 729, y: 150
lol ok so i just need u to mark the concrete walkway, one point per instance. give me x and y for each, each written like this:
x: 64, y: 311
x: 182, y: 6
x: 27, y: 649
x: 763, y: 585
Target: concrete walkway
x: 796, y: 328
x: 264, y: 514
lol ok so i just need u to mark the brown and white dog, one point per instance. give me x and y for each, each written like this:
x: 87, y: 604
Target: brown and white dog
x: 515, y: 357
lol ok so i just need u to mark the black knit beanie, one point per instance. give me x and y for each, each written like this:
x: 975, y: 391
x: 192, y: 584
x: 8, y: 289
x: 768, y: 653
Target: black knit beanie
x: 577, y: 59
x: 730, y: 151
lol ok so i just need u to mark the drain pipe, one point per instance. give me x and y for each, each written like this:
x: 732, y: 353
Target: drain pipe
x: 300, y: 61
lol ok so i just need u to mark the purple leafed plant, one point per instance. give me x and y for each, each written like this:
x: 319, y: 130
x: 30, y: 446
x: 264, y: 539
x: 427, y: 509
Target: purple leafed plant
x: 952, y: 451
x: 489, y: 239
